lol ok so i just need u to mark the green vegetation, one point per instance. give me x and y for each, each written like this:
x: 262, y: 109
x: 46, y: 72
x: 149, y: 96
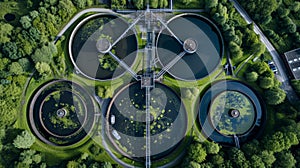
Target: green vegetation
x: 296, y: 85
x: 27, y: 53
x: 279, y: 20
x: 223, y: 104
x: 107, y: 62
x: 260, y: 74
x: 139, y: 4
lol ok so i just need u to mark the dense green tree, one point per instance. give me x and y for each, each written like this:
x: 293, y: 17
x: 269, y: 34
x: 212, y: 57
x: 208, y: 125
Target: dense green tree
x: 66, y: 9
x: 267, y: 157
x: 268, y: 73
x: 259, y: 8
x: 89, y: 2
x: 43, y: 68
x: 266, y: 82
x: 274, y: 142
x: 5, y: 32
x: 118, y: 4
x: 104, y: 91
x: 274, y: 96
x: 196, y: 152
x: 285, y: 159
x: 256, y: 162
x: 34, y: 34
x: 288, y: 25
x: 283, y: 12
x: 24, y: 141
x: 80, y: 3
x: 187, y: 2
x: 266, y: 20
x: 44, y: 54
x: 260, y: 49
x: 15, y: 68
x: 219, y: 19
x: 260, y: 67
x: 34, y: 14
x: 251, y: 148
x: 25, y: 22
x: 163, y: 3
x: 217, y: 160
x: 8, y: 111
x: 193, y: 164
x: 227, y: 164
x: 290, y: 139
x: 222, y: 10
x: 296, y: 37
x: 25, y: 64
x: 272, y: 35
x: 190, y: 164
x: 74, y: 164
x: 139, y: 4
x: 235, y: 50
x: 251, y: 76
x: 10, y: 49
x: 29, y: 158
x: 109, y: 63
x: 296, y: 85
x: 4, y: 62
x: 95, y: 149
x: 295, y: 7
x: 211, y: 148
x: 26, y: 44
x: 238, y: 158
x: 250, y: 40
x: 211, y: 3
x: 154, y: 3
x: 106, y: 165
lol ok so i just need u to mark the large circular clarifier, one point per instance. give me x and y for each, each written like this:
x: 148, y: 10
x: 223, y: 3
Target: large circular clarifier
x: 126, y: 124
x: 61, y: 113
x: 230, y: 110
x: 199, y: 38
x: 232, y: 113
x: 93, y: 39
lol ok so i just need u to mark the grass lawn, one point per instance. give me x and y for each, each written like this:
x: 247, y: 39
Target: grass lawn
x: 63, y: 68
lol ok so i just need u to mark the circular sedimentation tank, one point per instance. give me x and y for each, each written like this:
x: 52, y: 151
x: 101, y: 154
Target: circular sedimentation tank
x: 125, y: 124
x: 199, y: 38
x: 91, y: 41
x: 231, y: 109
x: 61, y: 113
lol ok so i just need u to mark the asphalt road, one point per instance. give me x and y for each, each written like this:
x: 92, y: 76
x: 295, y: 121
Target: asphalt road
x: 282, y: 70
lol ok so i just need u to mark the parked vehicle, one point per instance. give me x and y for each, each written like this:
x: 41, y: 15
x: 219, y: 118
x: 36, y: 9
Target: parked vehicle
x: 273, y: 67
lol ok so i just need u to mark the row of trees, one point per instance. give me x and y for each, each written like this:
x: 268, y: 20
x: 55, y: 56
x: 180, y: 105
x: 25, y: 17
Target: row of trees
x: 273, y: 150
x: 15, y: 149
x: 240, y: 38
x: 296, y: 85
x: 139, y: 4
x: 26, y: 47
x: 261, y: 74
x: 278, y: 19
